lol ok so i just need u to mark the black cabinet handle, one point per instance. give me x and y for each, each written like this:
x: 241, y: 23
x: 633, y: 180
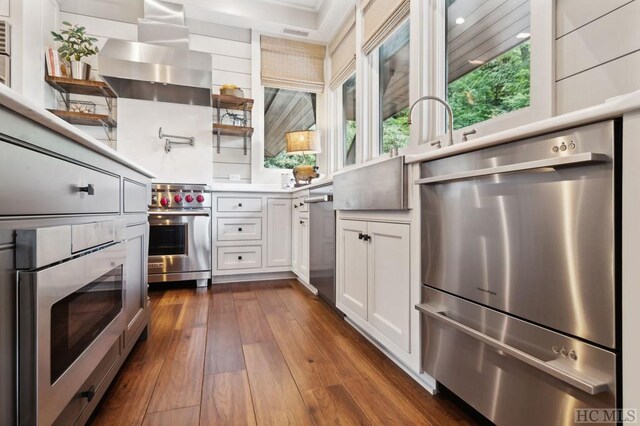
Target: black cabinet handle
x: 302, y: 222
x: 360, y: 235
x: 367, y: 237
x: 239, y: 257
x: 89, y: 394
x: 295, y: 206
x: 239, y: 204
x: 88, y: 189
x: 239, y: 229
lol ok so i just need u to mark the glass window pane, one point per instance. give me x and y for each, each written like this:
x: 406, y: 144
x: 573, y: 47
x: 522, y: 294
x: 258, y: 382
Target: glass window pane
x: 394, y: 90
x: 349, y: 117
x: 488, y: 59
x: 286, y: 111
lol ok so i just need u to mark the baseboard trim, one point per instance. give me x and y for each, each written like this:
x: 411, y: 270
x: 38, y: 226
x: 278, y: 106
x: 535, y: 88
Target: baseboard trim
x: 426, y: 381
x: 241, y: 278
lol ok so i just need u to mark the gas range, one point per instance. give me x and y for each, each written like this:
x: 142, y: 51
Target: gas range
x: 180, y: 233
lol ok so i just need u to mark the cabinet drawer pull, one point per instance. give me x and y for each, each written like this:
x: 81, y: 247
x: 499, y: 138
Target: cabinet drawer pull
x: 89, y: 189
x: 302, y: 222
x: 89, y: 394
x: 239, y: 257
x: 239, y: 204
x: 239, y: 229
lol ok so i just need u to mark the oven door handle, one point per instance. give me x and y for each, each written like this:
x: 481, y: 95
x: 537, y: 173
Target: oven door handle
x: 584, y: 158
x: 585, y: 383
x: 319, y: 199
x: 181, y: 213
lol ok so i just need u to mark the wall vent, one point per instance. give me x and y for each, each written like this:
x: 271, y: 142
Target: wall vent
x: 297, y: 33
x: 4, y: 38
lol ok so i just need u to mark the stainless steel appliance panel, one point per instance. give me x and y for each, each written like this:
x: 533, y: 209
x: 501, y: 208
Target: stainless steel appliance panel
x: 322, y: 242
x: 512, y: 371
x: 179, y: 242
x: 380, y: 186
x: 528, y: 228
x: 47, y: 380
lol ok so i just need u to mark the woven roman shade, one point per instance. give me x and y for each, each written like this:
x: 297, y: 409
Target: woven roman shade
x: 291, y: 64
x: 381, y: 17
x: 343, y: 52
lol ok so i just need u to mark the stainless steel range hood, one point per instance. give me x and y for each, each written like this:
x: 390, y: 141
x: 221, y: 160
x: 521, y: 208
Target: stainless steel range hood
x: 159, y: 66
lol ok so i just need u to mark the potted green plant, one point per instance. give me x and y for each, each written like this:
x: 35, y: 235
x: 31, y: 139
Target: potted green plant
x: 75, y: 45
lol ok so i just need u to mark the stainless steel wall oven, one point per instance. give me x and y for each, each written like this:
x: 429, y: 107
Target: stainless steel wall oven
x: 180, y: 233
x: 70, y: 308
x: 520, y: 309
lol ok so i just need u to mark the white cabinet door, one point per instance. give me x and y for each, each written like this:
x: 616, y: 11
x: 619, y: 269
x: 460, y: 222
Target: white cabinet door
x: 389, y: 281
x: 352, y: 264
x: 278, y: 232
x: 304, y: 248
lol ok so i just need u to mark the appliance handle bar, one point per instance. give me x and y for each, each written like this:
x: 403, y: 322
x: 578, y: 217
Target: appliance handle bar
x: 567, y: 160
x: 585, y: 383
x: 181, y: 213
x: 320, y: 199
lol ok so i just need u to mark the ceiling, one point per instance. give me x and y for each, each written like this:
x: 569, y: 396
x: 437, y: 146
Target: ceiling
x: 316, y: 20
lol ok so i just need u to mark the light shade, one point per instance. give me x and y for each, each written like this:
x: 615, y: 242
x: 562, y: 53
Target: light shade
x: 303, y: 142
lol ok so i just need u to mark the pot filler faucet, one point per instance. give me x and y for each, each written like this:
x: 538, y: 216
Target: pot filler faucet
x: 446, y: 105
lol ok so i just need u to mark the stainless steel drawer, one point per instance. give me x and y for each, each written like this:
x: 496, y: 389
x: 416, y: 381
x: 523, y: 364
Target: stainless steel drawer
x: 136, y: 197
x: 505, y: 367
x: 239, y: 229
x: 237, y: 205
x: 239, y: 257
x: 55, y: 185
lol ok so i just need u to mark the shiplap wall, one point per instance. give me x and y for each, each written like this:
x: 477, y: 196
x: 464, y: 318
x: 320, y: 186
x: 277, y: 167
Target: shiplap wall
x: 230, y: 50
x: 597, y: 51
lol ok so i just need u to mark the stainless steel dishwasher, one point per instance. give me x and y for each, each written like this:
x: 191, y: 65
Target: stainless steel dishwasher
x: 322, y: 242
x: 520, y: 298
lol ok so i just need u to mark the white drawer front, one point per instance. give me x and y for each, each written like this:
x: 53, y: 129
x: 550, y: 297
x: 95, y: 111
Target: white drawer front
x: 239, y: 229
x: 239, y: 257
x: 237, y: 204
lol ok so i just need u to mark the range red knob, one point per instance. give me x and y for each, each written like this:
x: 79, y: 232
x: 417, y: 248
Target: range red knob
x: 164, y: 201
x: 188, y: 198
x: 177, y: 198
x: 200, y: 198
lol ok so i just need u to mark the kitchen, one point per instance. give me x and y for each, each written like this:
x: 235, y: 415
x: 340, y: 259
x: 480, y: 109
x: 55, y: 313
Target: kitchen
x: 319, y: 211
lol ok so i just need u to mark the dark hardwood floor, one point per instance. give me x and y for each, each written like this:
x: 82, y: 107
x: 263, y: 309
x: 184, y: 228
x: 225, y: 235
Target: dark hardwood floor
x: 266, y: 353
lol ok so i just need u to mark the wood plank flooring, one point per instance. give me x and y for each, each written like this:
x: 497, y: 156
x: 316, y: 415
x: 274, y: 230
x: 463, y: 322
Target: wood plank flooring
x: 266, y: 353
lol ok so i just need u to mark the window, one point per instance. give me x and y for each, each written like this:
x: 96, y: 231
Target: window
x: 349, y: 120
x: 286, y: 111
x: 488, y: 59
x: 394, y: 90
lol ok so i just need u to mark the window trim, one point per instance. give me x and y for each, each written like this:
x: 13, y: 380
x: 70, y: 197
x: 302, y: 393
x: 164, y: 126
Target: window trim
x: 542, y: 75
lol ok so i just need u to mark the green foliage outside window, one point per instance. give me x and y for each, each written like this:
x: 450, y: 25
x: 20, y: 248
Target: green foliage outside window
x: 286, y: 161
x: 497, y: 87
x: 395, y: 131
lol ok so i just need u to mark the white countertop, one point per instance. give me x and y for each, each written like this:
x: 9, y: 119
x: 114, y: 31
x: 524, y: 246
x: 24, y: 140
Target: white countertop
x: 14, y: 101
x: 265, y: 188
x: 612, y: 108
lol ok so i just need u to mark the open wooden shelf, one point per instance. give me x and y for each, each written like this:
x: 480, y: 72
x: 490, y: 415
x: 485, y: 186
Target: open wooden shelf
x: 228, y: 130
x: 80, y: 87
x: 84, y: 119
x: 232, y: 102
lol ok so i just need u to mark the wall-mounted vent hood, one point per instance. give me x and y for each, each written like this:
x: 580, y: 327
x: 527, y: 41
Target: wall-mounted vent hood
x: 159, y: 66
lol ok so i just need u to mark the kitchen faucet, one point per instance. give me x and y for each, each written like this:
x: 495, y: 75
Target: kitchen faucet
x: 446, y: 105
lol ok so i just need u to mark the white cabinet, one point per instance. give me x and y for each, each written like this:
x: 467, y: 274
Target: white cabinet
x: 278, y: 232
x: 135, y: 304
x: 300, y: 237
x: 303, y: 266
x: 352, y: 291
x: 374, y: 276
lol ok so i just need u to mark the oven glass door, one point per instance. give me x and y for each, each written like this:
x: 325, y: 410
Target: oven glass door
x: 77, y: 319
x: 168, y: 239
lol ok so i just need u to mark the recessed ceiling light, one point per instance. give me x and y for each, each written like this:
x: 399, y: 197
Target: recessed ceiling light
x: 523, y: 35
x: 460, y: 20
x: 476, y: 61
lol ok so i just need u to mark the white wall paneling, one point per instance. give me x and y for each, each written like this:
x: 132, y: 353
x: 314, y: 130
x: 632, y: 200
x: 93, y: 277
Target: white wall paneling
x: 4, y: 8
x: 223, y: 170
x: 612, y: 36
x: 138, y: 124
x: 573, y: 14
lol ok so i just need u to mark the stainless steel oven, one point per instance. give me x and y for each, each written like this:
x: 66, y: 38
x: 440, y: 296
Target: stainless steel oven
x: 180, y: 233
x: 70, y: 312
x: 519, y: 276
